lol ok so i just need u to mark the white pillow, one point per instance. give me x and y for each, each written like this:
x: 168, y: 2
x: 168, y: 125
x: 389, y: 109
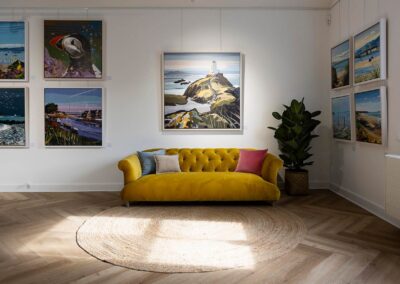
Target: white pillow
x: 167, y: 163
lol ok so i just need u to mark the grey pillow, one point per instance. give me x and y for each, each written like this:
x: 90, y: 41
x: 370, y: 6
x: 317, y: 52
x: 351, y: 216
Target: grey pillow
x: 167, y: 163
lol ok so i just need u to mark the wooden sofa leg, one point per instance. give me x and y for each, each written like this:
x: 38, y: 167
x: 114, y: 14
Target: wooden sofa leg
x: 272, y: 203
x: 127, y: 204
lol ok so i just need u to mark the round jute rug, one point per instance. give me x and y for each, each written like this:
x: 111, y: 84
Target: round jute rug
x: 190, y: 238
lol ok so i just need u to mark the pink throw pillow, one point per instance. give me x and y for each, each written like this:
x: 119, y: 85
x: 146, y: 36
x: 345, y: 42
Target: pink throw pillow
x: 251, y: 161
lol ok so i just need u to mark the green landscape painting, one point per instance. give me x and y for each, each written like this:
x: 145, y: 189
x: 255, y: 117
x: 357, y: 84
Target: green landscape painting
x: 202, y: 91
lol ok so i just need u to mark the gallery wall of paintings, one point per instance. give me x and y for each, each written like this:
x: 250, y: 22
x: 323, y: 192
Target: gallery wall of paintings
x: 358, y: 105
x: 72, y: 117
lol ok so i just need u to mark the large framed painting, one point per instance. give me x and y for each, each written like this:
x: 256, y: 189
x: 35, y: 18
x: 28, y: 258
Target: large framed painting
x: 73, y: 49
x: 370, y: 54
x: 202, y: 91
x: 73, y: 117
x: 342, y: 117
x: 371, y: 116
x: 13, y: 117
x: 340, y: 65
x: 13, y: 51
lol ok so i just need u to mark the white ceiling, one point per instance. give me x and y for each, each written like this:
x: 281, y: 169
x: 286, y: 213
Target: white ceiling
x: 284, y: 4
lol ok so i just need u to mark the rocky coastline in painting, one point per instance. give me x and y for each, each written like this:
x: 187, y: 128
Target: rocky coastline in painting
x: 213, y: 91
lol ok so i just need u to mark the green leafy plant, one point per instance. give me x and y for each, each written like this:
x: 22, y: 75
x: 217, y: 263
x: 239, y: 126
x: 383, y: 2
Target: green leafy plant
x: 294, y: 134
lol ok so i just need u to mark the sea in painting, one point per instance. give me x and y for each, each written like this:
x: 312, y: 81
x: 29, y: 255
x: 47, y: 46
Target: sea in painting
x: 367, y: 55
x: 341, y: 118
x: 12, y: 50
x: 73, y: 116
x: 369, y: 117
x: 341, y: 65
x: 73, y: 49
x: 202, y: 91
x: 12, y: 117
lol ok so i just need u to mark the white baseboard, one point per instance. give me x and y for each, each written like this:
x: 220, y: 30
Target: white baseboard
x: 74, y: 187
x: 368, y: 205
x: 317, y: 184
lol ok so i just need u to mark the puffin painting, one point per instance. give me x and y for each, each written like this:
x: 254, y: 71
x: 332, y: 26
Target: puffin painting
x: 77, y: 47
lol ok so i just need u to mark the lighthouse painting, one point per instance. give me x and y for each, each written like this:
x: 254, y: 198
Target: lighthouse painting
x: 12, y: 51
x: 202, y: 91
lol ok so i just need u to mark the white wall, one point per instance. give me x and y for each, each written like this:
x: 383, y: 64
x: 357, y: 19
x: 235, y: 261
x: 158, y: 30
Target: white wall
x: 358, y: 170
x: 286, y: 56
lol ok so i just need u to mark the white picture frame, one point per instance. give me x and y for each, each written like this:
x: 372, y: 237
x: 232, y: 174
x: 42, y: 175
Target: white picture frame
x: 336, y: 47
x: 103, y: 119
x: 26, y: 50
x: 194, y: 130
x: 340, y: 119
x: 365, y: 102
x: 364, y: 49
x: 26, y: 120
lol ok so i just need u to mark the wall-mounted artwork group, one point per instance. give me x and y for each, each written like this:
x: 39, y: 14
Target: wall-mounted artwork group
x: 202, y: 91
x: 364, y: 113
x: 367, y: 62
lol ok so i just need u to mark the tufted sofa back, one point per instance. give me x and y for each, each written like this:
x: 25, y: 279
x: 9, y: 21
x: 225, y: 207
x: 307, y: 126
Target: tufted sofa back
x: 206, y: 159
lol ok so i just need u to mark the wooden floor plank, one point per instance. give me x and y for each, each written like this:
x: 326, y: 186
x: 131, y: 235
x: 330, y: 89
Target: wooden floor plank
x: 344, y: 244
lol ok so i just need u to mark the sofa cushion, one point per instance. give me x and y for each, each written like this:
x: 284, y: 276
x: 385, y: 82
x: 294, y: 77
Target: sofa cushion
x: 147, y: 161
x: 251, y: 161
x: 167, y: 163
x: 198, y: 186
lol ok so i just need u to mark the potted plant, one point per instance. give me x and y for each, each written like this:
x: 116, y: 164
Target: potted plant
x: 294, y: 135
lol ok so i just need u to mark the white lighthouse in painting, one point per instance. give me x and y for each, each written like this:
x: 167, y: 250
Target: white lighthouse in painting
x: 214, y: 67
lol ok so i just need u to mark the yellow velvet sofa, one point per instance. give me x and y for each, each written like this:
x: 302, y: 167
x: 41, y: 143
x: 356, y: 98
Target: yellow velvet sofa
x: 207, y: 175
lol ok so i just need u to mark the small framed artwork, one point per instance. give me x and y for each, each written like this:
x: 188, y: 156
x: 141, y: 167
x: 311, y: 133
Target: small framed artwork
x: 202, y: 91
x: 13, y: 51
x: 370, y: 54
x: 342, y: 118
x: 371, y: 116
x: 340, y: 65
x: 73, y: 49
x: 73, y: 117
x: 14, y: 117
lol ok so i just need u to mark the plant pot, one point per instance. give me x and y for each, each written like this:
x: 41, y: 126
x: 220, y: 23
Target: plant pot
x: 296, y: 182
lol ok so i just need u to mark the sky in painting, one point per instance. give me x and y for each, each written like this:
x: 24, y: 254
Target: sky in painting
x: 74, y: 99
x: 367, y: 36
x: 341, y: 52
x: 201, y: 62
x: 12, y: 34
x: 341, y: 104
x: 368, y: 101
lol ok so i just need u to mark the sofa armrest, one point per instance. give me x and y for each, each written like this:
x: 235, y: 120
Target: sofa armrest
x: 131, y: 168
x: 270, y: 168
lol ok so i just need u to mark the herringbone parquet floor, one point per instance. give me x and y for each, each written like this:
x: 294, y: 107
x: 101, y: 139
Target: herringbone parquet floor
x: 345, y: 244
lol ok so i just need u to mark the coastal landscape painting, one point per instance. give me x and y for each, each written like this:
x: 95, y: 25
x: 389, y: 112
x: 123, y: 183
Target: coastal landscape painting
x: 12, y: 50
x: 369, y: 107
x: 13, y: 117
x: 341, y: 117
x: 340, y: 65
x: 73, y: 116
x: 370, y: 54
x: 202, y: 91
x: 73, y: 49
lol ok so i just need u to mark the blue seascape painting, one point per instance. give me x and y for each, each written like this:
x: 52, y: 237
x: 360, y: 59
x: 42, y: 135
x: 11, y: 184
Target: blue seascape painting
x: 12, y: 50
